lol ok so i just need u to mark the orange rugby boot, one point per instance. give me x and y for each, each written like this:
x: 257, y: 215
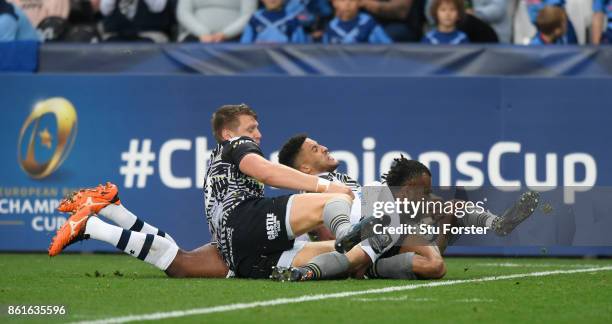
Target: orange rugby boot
x: 72, y: 231
x: 95, y: 198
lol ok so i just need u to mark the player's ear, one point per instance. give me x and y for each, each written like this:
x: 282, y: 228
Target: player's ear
x: 226, y: 134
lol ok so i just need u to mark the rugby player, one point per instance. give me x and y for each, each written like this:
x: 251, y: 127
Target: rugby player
x: 253, y: 233
x: 414, y: 257
x: 132, y: 235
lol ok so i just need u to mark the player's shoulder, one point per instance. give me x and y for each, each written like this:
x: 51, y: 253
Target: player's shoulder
x: 238, y: 140
x: 237, y: 147
x: 235, y: 143
x: 332, y: 176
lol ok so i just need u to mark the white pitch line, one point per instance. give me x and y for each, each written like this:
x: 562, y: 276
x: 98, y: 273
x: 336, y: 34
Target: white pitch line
x: 535, y: 265
x: 285, y: 301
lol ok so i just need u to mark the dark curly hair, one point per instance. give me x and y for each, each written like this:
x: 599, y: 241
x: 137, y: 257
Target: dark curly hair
x: 403, y: 170
x: 290, y: 150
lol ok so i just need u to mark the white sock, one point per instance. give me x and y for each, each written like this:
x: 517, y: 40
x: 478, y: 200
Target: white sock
x: 124, y: 218
x: 150, y: 248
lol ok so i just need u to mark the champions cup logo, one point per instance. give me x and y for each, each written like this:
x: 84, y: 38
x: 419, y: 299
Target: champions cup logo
x: 50, y: 131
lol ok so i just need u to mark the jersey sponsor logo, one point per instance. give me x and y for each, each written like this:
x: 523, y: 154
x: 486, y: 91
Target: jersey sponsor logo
x: 272, y: 226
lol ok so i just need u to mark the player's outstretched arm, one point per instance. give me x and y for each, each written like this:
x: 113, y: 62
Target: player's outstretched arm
x: 281, y: 176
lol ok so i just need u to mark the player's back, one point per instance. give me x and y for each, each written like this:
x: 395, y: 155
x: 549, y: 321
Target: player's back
x: 225, y: 186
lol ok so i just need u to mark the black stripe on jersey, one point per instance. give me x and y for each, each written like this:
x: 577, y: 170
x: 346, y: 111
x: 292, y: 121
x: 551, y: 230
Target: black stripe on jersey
x: 342, y: 178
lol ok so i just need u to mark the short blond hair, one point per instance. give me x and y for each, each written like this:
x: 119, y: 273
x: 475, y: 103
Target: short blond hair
x: 227, y: 117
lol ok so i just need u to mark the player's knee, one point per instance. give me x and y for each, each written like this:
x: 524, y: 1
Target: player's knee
x: 334, y: 203
x: 341, y: 196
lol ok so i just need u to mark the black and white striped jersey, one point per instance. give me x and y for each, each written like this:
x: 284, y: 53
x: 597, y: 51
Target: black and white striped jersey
x: 225, y: 187
x: 342, y: 178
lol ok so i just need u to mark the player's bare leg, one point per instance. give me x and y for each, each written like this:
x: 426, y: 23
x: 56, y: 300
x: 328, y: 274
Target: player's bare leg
x: 416, y: 259
x: 427, y: 261
x: 203, y: 262
x: 310, y: 251
x: 310, y: 211
x: 356, y: 256
x: 319, y: 260
x: 307, y: 210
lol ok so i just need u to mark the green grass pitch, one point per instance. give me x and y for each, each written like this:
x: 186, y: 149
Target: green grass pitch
x: 95, y: 287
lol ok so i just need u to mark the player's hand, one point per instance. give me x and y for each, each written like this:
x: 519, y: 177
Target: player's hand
x: 335, y: 187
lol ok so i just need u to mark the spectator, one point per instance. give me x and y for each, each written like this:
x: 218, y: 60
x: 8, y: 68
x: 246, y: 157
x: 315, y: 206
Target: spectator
x: 83, y: 19
x: 496, y: 13
x: 273, y: 24
x: 312, y: 14
x: 351, y: 27
x: 403, y: 20
x: 525, y: 26
x: 50, y: 17
x: 580, y: 14
x: 476, y: 29
x: 14, y: 24
x: 552, y: 26
x: 213, y: 21
x: 601, y: 32
x: 446, y: 14
x: 84, y: 12
x: 38, y: 10
x: 137, y: 20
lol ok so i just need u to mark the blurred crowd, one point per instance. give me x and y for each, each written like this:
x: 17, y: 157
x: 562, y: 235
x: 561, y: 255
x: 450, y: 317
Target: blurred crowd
x: 527, y: 22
